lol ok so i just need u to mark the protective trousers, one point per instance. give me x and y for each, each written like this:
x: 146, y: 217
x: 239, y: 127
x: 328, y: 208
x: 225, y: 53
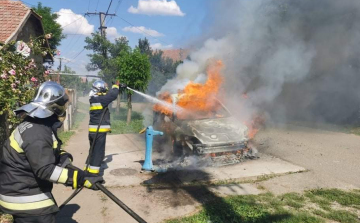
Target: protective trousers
x: 98, y: 153
x: 49, y: 218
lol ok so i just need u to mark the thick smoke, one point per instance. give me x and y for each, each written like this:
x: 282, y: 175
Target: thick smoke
x: 295, y: 60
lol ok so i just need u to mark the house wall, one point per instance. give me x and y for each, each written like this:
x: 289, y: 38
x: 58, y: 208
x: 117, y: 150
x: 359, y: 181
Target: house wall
x: 31, y: 29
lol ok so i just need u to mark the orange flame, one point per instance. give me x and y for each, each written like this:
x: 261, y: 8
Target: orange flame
x: 199, y: 99
x: 196, y: 97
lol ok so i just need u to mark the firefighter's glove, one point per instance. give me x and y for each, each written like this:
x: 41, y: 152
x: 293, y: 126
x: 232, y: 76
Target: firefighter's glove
x: 90, y: 182
x: 65, y: 159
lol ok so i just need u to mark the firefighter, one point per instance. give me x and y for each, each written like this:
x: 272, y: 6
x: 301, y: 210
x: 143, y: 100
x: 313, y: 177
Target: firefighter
x: 31, y: 160
x: 99, y: 100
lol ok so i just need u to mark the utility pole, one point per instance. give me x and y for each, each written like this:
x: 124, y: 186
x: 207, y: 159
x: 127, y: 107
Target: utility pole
x: 59, y: 68
x: 102, y: 16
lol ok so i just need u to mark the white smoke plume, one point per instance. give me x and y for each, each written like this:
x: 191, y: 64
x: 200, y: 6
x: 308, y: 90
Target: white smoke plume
x: 293, y: 59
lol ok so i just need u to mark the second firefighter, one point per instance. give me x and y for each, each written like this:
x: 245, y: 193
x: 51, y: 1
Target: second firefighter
x: 100, y: 98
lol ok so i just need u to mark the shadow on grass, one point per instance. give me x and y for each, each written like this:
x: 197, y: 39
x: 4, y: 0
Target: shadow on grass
x: 216, y: 209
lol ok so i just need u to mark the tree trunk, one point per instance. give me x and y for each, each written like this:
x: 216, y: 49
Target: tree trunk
x: 118, y: 104
x: 129, y: 109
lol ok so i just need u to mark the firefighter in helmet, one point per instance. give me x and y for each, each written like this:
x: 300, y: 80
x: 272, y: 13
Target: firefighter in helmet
x: 31, y: 160
x: 100, y: 98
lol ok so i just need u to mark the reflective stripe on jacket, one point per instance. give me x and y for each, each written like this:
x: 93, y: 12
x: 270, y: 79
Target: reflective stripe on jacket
x: 28, y: 168
x: 97, y: 105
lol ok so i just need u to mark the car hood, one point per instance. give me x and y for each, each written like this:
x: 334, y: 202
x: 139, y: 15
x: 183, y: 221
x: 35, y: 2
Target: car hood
x: 217, y: 131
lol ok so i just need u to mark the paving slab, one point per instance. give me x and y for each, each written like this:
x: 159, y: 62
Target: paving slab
x: 125, y: 154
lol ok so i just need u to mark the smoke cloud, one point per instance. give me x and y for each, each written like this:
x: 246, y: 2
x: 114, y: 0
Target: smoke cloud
x: 295, y: 60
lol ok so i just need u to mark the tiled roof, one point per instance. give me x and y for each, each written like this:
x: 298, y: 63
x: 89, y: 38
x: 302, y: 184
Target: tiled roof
x: 12, y: 14
x: 176, y: 54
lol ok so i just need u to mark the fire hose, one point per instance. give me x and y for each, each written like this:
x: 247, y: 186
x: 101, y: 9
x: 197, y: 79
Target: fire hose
x: 99, y: 185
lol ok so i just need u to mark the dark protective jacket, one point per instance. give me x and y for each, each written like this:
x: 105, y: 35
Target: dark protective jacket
x: 29, y: 163
x: 97, y: 105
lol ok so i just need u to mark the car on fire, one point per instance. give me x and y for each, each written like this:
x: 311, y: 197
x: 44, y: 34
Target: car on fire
x: 215, y: 132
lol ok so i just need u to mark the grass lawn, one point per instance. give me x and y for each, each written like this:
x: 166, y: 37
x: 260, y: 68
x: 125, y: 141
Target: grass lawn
x: 78, y: 118
x: 118, y: 122
x: 322, y: 205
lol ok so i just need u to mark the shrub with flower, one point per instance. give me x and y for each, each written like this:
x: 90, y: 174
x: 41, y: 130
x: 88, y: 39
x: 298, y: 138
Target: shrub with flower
x: 19, y: 75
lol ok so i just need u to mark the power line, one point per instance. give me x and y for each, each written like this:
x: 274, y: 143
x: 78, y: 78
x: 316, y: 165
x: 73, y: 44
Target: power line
x: 97, y: 5
x: 116, y: 10
x: 29, y: 3
x: 78, y: 37
x: 72, y: 60
x: 108, y: 9
x: 72, y: 22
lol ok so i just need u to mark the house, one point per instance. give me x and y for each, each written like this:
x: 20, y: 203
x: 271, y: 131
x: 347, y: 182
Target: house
x: 19, y: 22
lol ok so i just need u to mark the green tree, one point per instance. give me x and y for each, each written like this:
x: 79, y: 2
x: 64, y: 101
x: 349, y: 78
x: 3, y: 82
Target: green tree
x: 105, y: 54
x: 134, y: 70
x: 72, y: 81
x: 144, y: 46
x: 50, y: 25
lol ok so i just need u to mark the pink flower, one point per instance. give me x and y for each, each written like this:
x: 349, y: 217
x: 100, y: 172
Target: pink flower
x: 47, y: 72
x: 33, y: 79
x: 4, y: 75
x: 12, y: 72
x: 13, y: 85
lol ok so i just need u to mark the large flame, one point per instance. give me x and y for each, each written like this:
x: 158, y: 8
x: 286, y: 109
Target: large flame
x: 196, y: 98
x: 199, y: 100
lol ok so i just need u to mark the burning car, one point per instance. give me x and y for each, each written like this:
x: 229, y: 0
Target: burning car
x: 215, y: 131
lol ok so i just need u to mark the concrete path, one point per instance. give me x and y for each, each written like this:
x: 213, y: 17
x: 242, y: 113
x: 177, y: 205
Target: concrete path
x: 332, y: 158
x: 328, y: 158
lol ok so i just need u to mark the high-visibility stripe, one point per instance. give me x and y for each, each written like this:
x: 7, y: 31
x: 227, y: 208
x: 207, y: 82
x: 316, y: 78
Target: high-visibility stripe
x: 95, y: 106
x: 17, y: 137
x: 93, y: 169
x: 55, y: 142
x: 75, y: 179
x: 25, y: 199
x: 103, y: 128
x: 63, y: 176
x: 100, y: 130
x: 115, y: 86
x: 87, y: 184
x: 15, y: 143
x: 27, y: 206
x: 56, y: 174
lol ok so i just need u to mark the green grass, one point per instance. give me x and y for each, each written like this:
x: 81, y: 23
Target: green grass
x: 78, y: 118
x: 287, y: 208
x: 65, y: 136
x: 118, y: 122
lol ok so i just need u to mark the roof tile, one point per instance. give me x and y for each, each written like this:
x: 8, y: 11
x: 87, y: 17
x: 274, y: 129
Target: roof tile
x: 11, y: 15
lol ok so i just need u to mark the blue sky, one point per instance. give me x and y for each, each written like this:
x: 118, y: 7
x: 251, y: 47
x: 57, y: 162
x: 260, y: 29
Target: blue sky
x: 181, y: 22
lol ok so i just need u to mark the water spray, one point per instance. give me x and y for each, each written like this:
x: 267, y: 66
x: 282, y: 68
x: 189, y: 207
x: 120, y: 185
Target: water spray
x: 154, y: 100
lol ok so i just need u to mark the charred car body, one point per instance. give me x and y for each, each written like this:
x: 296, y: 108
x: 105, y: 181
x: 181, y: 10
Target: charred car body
x: 211, y: 133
